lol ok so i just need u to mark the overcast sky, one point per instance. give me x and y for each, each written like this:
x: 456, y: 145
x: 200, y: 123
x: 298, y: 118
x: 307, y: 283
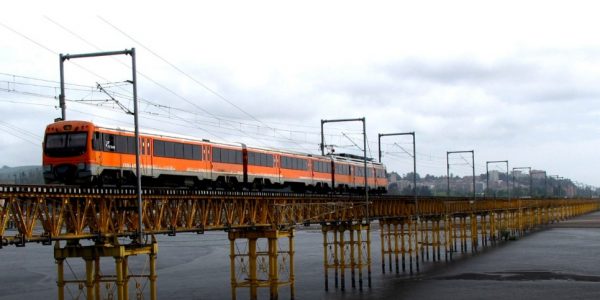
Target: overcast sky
x: 511, y: 80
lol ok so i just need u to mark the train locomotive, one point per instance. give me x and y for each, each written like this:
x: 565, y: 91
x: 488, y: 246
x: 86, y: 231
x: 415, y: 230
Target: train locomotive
x: 84, y: 153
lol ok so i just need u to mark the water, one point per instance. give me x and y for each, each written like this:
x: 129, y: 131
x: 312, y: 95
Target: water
x: 556, y: 263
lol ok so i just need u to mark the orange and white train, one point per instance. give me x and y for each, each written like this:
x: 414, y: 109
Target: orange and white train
x: 80, y: 152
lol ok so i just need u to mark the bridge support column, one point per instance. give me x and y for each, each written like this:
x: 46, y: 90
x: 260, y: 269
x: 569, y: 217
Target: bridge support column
x: 346, y: 246
x: 438, y: 238
x: 483, y: 220
x: 93, y: 276
x: 403, y: 242
x: 256, y: 263
x: 448, y: 237
x: 493, y: 233
x: 474, y: 233
x: 430, y: 233
x: 424, y: 232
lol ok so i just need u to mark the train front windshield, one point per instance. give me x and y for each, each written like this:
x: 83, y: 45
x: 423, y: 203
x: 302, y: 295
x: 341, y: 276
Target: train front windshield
x: 65, y: 144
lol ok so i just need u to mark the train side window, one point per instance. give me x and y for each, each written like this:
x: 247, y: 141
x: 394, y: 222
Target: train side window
x: 131, y: 145
x: 238, y: 157
x: 251, y: 158
x: 294, y: 163
x: 232, y: 157
x: 159, y: 148
x: 169, y: 149
x: 228, y: 156
x: 225, y: 155
x: 269, y: 160
x: 97, y: 141
x: 178, y: 150
x: 196, y: 154
x: 108, y: 142
x: 216, y: 154
x: 120, y: 144
x: 188, y: 153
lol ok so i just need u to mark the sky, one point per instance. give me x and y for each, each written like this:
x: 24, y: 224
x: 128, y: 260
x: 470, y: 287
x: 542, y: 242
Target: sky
x: 511, y: 80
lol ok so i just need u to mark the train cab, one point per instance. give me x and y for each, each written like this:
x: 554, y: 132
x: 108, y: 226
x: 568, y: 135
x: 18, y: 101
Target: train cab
x: 67, y: 152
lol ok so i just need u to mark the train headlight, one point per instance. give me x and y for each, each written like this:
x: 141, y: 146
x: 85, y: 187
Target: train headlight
x: 47, y: 168
x: 81, y: 166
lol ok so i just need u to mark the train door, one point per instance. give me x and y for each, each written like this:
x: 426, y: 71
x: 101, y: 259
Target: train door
x: 206, y: 150
x: 311, y: 170
x: 146, y: 157
x: 277, y: 161
x: 245, y: 163
x: 352, y: 176
x: 332, y: 164
x: 98, y: 147
x: 375, y: 179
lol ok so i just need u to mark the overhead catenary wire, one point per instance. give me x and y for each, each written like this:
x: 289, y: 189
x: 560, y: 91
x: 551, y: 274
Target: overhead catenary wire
x: 51, y: 51
x: 147, y: 77
x: 219, y: 121
x: 10, y: 130
x: 98, y: 103
x: 218, y: 95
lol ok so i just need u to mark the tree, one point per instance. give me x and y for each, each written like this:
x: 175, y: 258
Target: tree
x: 409, y: 176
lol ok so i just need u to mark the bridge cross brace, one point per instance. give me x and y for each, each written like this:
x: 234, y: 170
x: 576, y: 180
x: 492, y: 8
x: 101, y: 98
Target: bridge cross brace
x: 346, y: 247
x: 93, y: 276
x: 255, y: 265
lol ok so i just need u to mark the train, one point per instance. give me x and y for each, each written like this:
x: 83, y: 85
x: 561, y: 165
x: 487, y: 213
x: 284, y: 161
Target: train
x: 84, y: 153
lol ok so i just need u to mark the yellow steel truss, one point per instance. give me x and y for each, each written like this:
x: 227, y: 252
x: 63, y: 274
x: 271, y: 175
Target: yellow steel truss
x: 449, y: 225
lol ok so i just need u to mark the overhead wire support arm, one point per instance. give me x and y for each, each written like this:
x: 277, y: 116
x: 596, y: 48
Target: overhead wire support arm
x: 530, y: 179
x: 123, y: 107
x: 448, y: 169
x: 414, y: 156
x: 545, y: 181
x: 351, y: 141
x: 487, y: 177
x: 64, y: 57
x: 133, y: 81
x: 366, y: 173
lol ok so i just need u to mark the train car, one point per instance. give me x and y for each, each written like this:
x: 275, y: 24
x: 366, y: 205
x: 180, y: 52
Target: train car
x: 79, y: 152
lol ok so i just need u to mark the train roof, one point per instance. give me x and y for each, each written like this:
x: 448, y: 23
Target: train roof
x: 170, y: 135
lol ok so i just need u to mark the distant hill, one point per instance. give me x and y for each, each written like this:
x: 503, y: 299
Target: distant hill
x: 21, y: 175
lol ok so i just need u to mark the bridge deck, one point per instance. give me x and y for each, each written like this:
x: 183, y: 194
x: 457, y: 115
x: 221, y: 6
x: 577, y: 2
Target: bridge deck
x: 50, y: 213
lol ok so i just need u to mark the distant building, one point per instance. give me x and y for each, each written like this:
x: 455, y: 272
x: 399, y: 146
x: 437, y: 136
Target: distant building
x: 494, y: 175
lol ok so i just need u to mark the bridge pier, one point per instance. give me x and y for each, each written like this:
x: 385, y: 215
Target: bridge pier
x: 399, y: 239
x: 346, y: 245
x: 256, y: 263
x: 90, y: 286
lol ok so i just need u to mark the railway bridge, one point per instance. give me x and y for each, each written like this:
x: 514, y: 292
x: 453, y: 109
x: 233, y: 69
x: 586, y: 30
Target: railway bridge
x: 102, y: 223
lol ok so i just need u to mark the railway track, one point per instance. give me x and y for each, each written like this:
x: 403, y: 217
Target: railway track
x: 46, y: 213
